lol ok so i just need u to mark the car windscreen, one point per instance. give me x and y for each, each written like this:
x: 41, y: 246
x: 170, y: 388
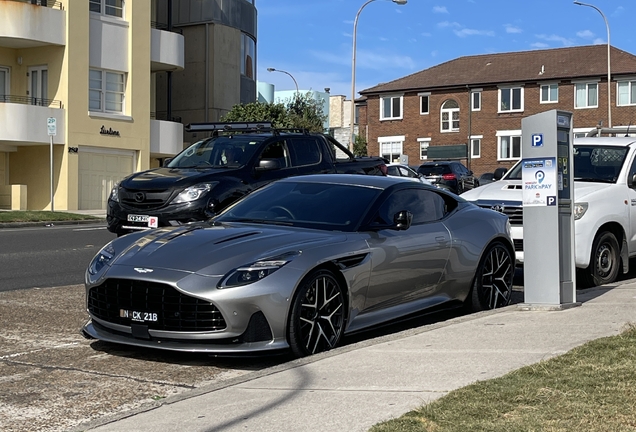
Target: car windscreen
x: 224, y: 151
x: 325, y: 206
x: 597, y: 163
x: 432, y: 170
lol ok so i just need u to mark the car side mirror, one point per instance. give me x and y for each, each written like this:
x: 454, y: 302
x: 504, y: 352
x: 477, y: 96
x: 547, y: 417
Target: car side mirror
x: 631, y: 180
x: 166, y: 161
x: 268, y: 165
x: 403, y: 220
x: 499, y: 173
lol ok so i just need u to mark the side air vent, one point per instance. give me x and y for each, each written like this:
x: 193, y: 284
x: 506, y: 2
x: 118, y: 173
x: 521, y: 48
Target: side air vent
x: 350, y: 261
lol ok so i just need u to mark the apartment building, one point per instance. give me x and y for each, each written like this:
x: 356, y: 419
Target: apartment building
x: 471, y: 108
x: 102, y: 69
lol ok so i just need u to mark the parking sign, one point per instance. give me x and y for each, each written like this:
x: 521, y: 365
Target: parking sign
x: 51, y: 126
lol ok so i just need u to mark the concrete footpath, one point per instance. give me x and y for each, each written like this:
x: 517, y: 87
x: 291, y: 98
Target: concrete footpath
x: 356, y: 386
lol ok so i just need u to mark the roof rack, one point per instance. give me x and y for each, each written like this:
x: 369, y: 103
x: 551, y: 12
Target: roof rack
x: 229, y: 127
x: 622, y: 131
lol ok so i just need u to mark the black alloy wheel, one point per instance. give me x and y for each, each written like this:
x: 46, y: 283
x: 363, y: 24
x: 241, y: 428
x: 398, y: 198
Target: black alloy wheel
x: 604, y: 261
x: 317, y: 316
x: 492, y: 287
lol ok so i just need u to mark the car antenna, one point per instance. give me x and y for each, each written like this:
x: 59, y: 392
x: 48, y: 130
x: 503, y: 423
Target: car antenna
x: 628, y: 126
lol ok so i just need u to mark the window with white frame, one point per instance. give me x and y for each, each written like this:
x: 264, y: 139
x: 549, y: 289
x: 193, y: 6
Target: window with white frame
x: 450, y: 116
x: 106, y: 91
x: 391, y: 147
x: 627, y: 93
x: 108, y: 7
x: 549, y: 93
x: 509, y: 145
x: 424, y: 145
x: 475, y: 146
x: 424, y: 103
x: 4, y: 82
x: 511, y: 99
x: 475, y: 100
x: 390, y: 107
x: 586, y: 95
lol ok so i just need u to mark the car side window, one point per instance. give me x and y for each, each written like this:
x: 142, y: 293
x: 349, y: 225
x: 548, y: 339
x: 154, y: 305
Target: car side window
x: 425, y: 205
x: 304, y: 151
x: 277, y: 150
x: 392, y: 171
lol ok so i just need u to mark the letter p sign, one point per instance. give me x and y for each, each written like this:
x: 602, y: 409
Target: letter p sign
x: 537, y: 140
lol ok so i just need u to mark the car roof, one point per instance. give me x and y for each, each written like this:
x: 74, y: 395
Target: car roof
x: 606, y: 141
x: 350, y: 179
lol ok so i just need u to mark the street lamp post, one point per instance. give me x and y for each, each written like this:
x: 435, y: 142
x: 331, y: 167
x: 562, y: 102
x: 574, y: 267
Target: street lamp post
x: 353, y: 69
x: 285, y: 72
x: 609, y: 97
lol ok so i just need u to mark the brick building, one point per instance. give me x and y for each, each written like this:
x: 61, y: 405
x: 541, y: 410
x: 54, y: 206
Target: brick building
x: 475, y: 104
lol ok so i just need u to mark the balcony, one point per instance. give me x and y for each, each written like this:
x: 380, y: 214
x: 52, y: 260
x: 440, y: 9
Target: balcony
x: 23, y: 121
x: 166, y: 50
x: 166, y: 136
x: 32, y: 23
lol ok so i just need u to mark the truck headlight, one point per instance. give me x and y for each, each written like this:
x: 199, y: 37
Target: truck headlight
x: 103, y: 258
x: 193, y: 193
x: 256, y: 271
x: 114, y: 193
x: 579, y: 210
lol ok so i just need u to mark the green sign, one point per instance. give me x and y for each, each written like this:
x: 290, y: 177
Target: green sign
x: 456, y: 151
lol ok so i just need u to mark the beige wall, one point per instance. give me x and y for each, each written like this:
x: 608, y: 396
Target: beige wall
x: 30, y: 166
x: 4, y: 160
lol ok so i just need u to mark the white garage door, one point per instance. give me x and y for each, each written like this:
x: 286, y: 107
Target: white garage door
x: 99, y: 170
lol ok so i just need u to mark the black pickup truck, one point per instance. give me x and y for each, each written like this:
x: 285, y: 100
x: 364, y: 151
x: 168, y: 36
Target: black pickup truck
x: 212, y: 173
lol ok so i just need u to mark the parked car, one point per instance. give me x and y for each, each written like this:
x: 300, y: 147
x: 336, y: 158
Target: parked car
x: 449, y: 175
x: 399, y: 170
x: 604, y: 170
x: 490, y: 177
x: 213, y: 173
x: 297, y: 264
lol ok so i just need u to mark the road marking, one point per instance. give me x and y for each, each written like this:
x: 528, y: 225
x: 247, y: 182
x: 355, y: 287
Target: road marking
x: 38, y: 350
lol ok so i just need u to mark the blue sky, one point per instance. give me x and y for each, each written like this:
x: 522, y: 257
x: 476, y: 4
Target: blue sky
x: 313, y: 39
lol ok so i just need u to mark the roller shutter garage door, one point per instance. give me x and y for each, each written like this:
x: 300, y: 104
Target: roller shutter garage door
x: 99, y: 170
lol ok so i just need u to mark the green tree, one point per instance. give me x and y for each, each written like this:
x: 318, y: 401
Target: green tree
x: 360, y: 146
x: 301, y: 111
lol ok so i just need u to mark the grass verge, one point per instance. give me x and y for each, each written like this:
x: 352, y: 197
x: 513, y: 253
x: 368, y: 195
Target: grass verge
x: 591, y: 388
x: 41, y: 216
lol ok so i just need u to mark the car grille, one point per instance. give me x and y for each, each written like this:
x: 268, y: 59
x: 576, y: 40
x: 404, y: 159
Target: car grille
x: 518, y: 243
x: 515, y: 214
x: 176, y: 311
x: 145, y: 200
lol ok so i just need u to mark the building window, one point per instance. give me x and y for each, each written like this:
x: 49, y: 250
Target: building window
x: 586, y: 95
x: 509, y: 147
x: 424, y: 103
x: 391, y: 147
x: 248, y: 50
x: 108, y: 7
x: 450, y: 116
x: 627, y: 93
x: 475, y: 100
x: 475, y: 146
x: 424, y: 144
x: 106, y: 91
x: 391, y: 108
x: 549, y: 93
x: 511, y: 99
x: 4, y: 82
x: 356, y: 115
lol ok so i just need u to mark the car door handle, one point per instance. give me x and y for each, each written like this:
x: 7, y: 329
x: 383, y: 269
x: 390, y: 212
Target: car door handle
x: 441, y: 239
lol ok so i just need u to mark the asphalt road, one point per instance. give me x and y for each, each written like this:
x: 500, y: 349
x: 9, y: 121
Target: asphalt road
x: 52, y: 256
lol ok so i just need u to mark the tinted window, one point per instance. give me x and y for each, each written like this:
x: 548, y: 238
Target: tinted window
x: 324, y: 206
x: 425, y: 205
x: 393, y: 171
x: 305, y: 151
x: 278, y: 151
x: 224, y: 150
x: 434, y: 169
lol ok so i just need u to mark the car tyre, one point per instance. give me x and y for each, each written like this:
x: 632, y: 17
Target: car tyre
x: 492, y: 286
x: 316, y: 321
x: 604, y: 262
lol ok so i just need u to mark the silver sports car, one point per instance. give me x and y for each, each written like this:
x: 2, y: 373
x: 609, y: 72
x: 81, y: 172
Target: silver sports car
x: 298, y: 264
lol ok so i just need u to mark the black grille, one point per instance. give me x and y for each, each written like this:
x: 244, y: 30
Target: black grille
x: 515, y: 214
x: 175, y: 310
x: 518, y: 245
x: 144, y: 200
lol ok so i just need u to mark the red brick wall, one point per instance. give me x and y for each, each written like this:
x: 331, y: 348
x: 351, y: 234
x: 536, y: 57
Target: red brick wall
x: 485, y: 122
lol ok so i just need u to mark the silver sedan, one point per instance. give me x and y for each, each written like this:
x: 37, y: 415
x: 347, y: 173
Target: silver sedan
x: 298, y: 264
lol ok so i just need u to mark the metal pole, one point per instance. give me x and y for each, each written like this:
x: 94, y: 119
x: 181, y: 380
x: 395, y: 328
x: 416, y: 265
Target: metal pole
x: 51, y: 169
x: 609, y: 78
x: 285, y: 72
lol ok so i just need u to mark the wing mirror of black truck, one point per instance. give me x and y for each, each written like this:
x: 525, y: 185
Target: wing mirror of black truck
x: 166, y: 161
x: 268, y: 165
x: 499, y: 173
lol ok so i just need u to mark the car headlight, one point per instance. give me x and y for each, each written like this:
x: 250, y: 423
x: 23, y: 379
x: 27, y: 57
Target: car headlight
x: 193, y: 193
x: 114, y: 193
x: 256, y: 271
x: 103, y: 258
x: 579, y: 210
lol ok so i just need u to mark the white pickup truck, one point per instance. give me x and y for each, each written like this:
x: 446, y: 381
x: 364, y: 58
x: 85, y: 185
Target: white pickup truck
x: 604, y: 206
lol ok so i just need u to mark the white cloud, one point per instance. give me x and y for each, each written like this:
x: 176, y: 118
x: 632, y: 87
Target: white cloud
x: 445, y: 24
x: 599, y: 41
x: 512, y: 29
x: 440, y: 9
x: 472, y: 32
x: 555, y: 38
x: 539, y: 45
x: 585, y: 34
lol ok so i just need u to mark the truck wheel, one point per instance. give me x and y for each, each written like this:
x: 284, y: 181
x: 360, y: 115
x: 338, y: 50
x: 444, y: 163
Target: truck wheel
x: 604, y: 261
